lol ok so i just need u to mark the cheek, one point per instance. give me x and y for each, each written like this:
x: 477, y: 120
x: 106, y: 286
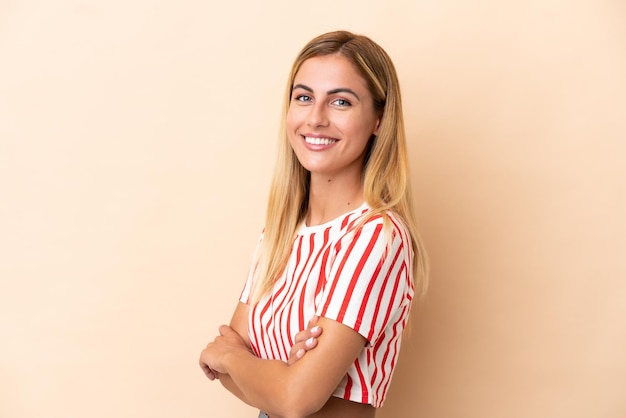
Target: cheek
x: 290, y: 123
x: 291, y: 126
x: 293, y: 116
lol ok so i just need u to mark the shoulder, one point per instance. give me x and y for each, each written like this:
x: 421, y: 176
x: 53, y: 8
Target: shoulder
x: 383, y: 229
x: 370, y: 220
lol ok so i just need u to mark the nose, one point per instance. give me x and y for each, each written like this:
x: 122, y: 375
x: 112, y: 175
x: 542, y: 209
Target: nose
x: 317, y: 115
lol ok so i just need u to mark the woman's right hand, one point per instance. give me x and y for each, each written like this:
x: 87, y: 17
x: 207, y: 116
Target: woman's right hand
x: 305, y: 340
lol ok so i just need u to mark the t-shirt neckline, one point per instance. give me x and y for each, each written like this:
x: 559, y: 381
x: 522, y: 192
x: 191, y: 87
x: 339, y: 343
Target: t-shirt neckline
x: 303, y: 229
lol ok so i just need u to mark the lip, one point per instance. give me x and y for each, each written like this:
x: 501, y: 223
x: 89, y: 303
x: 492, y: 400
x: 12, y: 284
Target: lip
x: 318, y: 142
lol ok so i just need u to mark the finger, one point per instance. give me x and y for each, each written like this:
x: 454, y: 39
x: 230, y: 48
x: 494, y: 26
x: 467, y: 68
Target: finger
x: 316, y: 331
x: 226, y: 331
x: 207, y: 371
x: 299, y: 349
x: 313, y: 321
x: 305, y: 340
x: 296, y: 348
x: 310, y: 343
x: 302, y: 336
x: 312, y: 330
x: 232, y: 336
x: 296, y: 355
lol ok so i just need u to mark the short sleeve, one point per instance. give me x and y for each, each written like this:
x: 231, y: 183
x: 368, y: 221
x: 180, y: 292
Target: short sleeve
x: 369, y: 279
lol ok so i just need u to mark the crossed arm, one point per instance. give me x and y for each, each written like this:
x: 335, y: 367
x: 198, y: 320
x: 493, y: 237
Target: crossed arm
x: 294, y: 389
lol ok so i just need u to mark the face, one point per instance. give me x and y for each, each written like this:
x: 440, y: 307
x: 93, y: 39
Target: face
x: 331, y: 117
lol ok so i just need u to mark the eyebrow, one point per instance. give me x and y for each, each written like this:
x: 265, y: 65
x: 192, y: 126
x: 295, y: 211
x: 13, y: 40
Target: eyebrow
x: 329, y: 92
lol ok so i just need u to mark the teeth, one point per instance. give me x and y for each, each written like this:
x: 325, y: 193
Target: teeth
x: 319, y: 141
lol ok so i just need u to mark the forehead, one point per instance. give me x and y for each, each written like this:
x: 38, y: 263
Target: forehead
x: 328, y: 72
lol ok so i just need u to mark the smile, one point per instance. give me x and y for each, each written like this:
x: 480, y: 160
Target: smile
x: 319, y: 141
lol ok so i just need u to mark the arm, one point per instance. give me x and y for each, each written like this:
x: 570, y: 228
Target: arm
x: 279, y: 389
x: 304, y: 341
x: 239, y: 324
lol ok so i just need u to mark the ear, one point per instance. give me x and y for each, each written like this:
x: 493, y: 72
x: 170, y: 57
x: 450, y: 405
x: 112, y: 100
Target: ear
x: 377, y: 126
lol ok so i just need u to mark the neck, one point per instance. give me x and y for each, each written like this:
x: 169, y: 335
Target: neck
x: 331, y: 197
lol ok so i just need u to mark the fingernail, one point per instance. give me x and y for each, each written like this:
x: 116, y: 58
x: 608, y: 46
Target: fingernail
x: 309, y: 342
x: 315, y: 329
x: 300, y: 353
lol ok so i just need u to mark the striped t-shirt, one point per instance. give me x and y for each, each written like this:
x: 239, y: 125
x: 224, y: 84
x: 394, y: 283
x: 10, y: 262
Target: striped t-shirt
x: 360, y: 277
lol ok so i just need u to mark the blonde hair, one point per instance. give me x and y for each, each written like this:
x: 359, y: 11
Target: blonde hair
x: 385, y: 174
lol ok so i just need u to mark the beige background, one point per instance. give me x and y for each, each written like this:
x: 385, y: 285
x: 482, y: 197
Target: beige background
x: 136, y: 144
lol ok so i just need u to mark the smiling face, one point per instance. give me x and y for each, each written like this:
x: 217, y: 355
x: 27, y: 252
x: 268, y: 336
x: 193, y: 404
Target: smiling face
x: 331, y: 117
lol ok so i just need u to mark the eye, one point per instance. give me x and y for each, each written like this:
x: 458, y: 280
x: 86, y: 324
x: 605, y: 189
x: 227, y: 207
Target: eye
x: 302, y: 98
x: 342, y: 102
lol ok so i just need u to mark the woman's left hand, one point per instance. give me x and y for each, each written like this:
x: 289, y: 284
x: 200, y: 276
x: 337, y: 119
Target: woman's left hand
x: 212, y: 357
x: 305, y: 340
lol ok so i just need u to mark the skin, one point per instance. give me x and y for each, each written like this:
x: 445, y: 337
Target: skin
x: 330, y: 100
x: 305, y: 340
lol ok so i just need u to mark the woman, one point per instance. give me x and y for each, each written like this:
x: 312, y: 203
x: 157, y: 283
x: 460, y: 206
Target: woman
x: 339, y: 250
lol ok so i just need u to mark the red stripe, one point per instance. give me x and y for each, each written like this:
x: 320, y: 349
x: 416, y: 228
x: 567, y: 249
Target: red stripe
x: 346, y: 392
x: 402, y: 322
x: 375, y: 355
x: 357, y: 272
x: 384, y: 363
x: 381, y: 295
x: 276, y: 324
x: 252, y: 327
x: 368, y: 294
x: 339, y: 270
x: 262, y: 314
x: 303, y: 291
x: 321, y: 283
x: 394, y: 293
x: 364, y: 391
x: 287, y: 340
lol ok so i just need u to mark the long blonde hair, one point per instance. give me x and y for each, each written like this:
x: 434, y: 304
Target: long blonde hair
x: 385, y: 173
